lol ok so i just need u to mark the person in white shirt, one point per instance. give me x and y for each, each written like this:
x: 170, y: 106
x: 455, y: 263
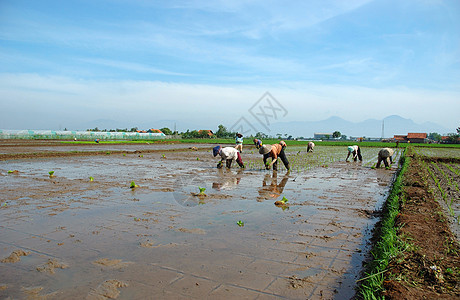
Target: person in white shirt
x: 355, y: 151
x: 229, y: 154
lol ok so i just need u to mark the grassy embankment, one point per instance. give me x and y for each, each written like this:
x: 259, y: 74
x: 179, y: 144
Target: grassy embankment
x: 387, y: 245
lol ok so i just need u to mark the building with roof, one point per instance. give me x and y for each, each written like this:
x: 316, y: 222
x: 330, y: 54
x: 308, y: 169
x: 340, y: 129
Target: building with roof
x: 206, y: 131
x: 154, y: 131
x: 320, y: 136
x: 411, y: 137
x: 417, y: 137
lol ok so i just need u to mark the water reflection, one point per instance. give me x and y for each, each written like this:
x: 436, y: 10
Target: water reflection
x: 270, y: 188
x: 228, y: 179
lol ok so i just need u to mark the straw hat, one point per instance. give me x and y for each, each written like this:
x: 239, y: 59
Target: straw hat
x: 265, y: 149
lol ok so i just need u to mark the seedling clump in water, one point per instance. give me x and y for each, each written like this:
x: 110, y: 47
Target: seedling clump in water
x: 133, y: 185
x: 51, y: 173
x: 282, y: 203
x: 240, y: 223
x: 91, y: 178
x: 202, y: 190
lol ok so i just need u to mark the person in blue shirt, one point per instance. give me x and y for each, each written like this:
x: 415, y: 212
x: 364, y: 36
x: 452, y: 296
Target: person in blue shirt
x: 239, y: 142
x: 257, y: 143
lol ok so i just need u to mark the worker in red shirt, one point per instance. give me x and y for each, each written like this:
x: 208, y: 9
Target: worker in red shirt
x: 274, y: 151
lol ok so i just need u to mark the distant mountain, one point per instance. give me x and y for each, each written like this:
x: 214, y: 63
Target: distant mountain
x: 368, y: 128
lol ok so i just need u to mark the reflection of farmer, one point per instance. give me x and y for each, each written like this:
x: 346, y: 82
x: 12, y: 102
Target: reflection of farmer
x: 384, y: 155
x: 227, y: 182
x: 229, y: 154
x: 273, y: 190
x: 97, y: 141
x: 239, y: 142
x: 310, y: 146
x: 274, y: 151
x: 356, y: 153
x: 257, y: 143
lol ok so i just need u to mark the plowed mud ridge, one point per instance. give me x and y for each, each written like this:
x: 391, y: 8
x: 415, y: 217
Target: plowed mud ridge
x: 87, y: 234
x: 429, y: 269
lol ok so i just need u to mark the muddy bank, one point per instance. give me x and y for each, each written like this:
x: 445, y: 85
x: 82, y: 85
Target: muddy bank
x: 428, y: 269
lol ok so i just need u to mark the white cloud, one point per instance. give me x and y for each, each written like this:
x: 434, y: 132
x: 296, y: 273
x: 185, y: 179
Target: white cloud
x: 70, y: 100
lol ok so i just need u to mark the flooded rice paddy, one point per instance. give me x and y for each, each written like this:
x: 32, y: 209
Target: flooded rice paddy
x: 100, y: 238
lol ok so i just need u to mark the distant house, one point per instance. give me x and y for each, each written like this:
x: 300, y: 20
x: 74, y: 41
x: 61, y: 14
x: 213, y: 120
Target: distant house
x: 416, y: 137
x: 411, y: 138
x: 154, y: 131
x: 206, y: 131
x: 141, y: 131
x: 320, y: 136
x: 400, y: 138
x: 448, y: 140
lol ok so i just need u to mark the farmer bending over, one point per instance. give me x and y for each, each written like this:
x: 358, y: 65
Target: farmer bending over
x: 310, y: 146
x: 274, y: 151
x: 355, y: 151
x: 229, y: 154
x: 257, y: 143
x: 384, y: 155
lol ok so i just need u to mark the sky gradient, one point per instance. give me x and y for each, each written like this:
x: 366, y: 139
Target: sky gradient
x: 204, y: 63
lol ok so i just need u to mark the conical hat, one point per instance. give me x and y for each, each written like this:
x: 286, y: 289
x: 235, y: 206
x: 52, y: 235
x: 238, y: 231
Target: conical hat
x: 265, y: 149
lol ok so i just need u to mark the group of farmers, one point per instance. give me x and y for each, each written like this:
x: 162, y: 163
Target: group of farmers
x: 276, y: 151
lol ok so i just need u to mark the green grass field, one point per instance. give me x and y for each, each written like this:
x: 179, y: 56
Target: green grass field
x: 271, y: 141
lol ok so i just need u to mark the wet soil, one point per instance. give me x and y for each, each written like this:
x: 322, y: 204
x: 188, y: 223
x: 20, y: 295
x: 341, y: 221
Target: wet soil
x: 98, y: 239
x: 430, y: 269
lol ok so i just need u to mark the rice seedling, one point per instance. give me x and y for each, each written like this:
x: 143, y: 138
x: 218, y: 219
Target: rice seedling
x: 91, y: 178
x: 240, y: 223
x: 133, y: 185
x: 282, y: 203
x: 202, y: 190
x: 51, y: 173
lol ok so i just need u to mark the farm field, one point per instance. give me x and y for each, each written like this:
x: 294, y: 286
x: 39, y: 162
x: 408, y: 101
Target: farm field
x: 84, y: 232
x: 424, y: 258
x: 443, y: 169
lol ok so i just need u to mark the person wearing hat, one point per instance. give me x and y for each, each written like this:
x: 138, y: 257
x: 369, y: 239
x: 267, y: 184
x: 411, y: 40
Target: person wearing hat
x: 257, y: 143
x: 239, y: 142
x: 384, y: 155
x: 310, y: 146
x: 274, y: 151
x: 229, y: 154
x: 355, y: 151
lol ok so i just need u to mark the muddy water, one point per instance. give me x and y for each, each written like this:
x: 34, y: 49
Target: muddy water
x: 12, y: 146
x: 161, y: 240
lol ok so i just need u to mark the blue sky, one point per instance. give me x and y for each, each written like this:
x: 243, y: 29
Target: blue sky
x: 204, y: 63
